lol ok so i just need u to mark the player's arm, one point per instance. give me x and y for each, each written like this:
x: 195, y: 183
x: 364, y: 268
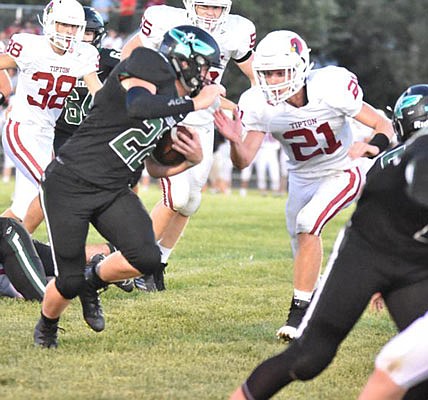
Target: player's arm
x: 6, y: 88
x: 130, y: 45
x: 383, y: 132
x: 93, y: 82
x: 246, y: 67
x: 243, y: 149
x: 190, y: 147
x: 142, y: 100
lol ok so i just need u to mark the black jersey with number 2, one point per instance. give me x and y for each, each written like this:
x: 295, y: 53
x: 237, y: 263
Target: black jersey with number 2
x: 109, y: 147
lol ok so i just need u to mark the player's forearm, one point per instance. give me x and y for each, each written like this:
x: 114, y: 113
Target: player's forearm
x: 142, y: 104
x: 157, y: 170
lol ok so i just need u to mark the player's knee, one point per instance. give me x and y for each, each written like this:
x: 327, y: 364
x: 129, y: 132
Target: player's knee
x: 148, y: 260
x: 310, y: 361
x: 192, y: 205
x: 69, y: 286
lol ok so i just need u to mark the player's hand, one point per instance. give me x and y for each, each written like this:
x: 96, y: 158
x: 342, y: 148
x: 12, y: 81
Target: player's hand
x: 207, y: 96
x: 190, y: 147
x: 230, y: 128
x: 362, y: 149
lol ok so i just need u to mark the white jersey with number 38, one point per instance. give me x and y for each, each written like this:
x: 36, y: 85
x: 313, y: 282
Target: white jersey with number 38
x: 46, y: 78
x: 317, y: 136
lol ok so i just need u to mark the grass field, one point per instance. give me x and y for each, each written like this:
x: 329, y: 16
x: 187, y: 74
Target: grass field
x: 229, y: 283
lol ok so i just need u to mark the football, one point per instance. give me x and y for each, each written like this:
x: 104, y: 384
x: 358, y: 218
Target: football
x: 164, y: 153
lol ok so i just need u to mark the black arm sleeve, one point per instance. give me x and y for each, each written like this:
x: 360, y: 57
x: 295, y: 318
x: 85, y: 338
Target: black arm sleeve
x: 141, y: 104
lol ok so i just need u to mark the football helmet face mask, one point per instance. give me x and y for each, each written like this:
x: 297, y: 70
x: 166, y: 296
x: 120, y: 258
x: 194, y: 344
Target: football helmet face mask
x: 191, y: 51
x: 68, y: 12
x: 209, y: 24
x: 94, y: 23
x: 411, y: 112
x: 282, y: 51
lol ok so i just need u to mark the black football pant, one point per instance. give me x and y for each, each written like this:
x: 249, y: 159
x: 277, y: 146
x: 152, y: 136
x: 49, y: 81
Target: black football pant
x: 358, y: 272
x: 70, y: 204
x: 20, y: 260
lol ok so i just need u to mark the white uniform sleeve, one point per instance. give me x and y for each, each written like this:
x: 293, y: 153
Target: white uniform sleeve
x: 21, y: 50
x: 90, y: 59
x: 244, y: 34
x: 156, y: 21
x: 342, y: 90
x: 251, y: 105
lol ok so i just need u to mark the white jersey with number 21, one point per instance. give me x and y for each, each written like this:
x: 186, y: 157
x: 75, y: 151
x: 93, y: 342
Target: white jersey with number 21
x: 317, y: 136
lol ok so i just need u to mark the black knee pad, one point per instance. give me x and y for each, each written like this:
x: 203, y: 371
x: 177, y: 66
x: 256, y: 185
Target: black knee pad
x: 70, y: 286
x: 146, y: 260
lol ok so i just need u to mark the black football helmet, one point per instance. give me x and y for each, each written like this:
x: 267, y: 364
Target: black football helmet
x: 411, y: 112
x: 191, y: 51
x: 95, y: 23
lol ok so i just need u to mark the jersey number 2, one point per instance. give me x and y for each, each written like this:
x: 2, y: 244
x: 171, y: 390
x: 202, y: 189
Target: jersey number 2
x: 310, y: 140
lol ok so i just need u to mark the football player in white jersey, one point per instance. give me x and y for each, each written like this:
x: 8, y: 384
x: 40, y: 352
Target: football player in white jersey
x: 236, y: 37
x: 306, y: 111
x: 49, y: 66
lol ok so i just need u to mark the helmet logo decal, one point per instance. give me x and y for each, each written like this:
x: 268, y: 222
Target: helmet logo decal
x: 187, y: 42
x: 296, y: 45
x: 408, y: 101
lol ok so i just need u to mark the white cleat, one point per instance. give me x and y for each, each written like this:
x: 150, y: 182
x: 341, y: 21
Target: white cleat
x: 286, y: 332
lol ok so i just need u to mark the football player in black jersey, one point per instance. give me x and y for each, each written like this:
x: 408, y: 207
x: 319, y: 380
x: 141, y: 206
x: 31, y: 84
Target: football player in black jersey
x: 78, y: 102
x: 144, y: 96
x: 384, y: 249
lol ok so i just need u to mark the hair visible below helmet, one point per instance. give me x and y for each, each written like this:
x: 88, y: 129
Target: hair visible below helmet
x: 411, y: 112
x: 191, y: 51
x: 286, y: 51
x: 67, y: 12
x: 94, y: 23
x: 209, y: 24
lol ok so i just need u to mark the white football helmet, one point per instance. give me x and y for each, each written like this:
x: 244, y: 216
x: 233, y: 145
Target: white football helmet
x: 209, y: 24
x: 67, y: 12
x: 281, y: 50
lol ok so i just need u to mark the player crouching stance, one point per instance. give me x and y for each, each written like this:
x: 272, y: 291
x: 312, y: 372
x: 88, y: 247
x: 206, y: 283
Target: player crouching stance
x: 145, y: 96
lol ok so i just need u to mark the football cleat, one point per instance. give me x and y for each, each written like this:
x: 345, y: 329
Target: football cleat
x: 295, y: 315
x: 159, y: 277
x: 89, y: 298
x: 145, y: 283
x: 46, y: 335
x: 152, y: 283
x: 127, y: 285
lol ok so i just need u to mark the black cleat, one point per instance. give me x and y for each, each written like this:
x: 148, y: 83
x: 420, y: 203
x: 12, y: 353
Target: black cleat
x: 126, y: 285
x: 145, y: 283
x: 297, y: 311
x: 159, y: 277
x: 46, y: 335
x: 152, y: 283
x: 91, y: 303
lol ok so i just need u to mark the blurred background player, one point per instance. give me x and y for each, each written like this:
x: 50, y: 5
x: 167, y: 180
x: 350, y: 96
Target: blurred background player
x: 49, y: 66
x: 306, y: 111
x: 236, y: 37
x: 267, y: 163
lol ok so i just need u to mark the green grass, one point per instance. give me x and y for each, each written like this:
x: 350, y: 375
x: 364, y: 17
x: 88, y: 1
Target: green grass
x: 229, y: 284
